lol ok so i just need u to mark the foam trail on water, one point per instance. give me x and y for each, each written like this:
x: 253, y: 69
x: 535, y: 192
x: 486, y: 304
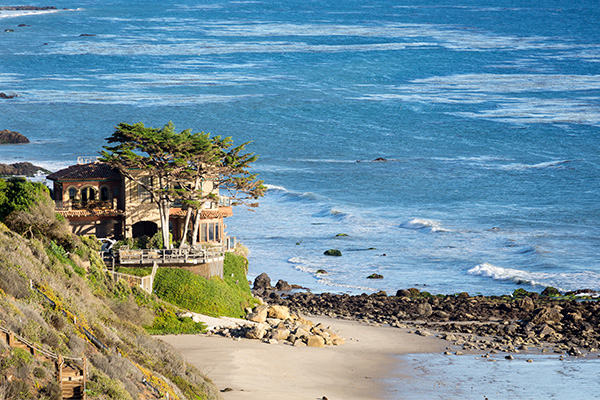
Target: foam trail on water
x: 562, y: 281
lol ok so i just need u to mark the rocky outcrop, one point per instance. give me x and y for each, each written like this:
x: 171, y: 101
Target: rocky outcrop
x: 512, y: 322
x: 333, y: 252
x: 21, y: 169
x: 8, y: 96
x: 12, y: 137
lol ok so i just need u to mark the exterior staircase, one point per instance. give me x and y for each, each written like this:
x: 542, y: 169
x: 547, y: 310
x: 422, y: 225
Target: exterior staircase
x: 71, y: 376
x: 72, y: 380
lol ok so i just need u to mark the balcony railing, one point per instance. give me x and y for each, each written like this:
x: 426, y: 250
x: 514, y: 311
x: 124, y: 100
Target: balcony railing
x: 70, y: 205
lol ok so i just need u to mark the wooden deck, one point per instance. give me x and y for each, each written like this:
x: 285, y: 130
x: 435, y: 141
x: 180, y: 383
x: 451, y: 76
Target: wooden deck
x: 175, y: 257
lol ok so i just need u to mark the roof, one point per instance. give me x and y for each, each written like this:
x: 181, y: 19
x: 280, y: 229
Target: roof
x: 97, y: 171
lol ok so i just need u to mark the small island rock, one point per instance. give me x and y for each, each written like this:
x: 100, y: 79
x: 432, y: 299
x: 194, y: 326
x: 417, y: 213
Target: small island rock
x: 11, y: 137
x: 333, y: 252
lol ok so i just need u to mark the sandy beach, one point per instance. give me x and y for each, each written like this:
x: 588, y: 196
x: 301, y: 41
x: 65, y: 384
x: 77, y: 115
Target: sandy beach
x: 256, y: 370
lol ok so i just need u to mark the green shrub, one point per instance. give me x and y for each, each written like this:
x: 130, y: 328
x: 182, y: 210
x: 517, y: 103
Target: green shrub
x: 217, y: 297
x: 167, y: 322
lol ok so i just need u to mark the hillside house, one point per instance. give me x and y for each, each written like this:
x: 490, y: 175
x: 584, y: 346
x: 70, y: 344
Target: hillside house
x: 97, y: 199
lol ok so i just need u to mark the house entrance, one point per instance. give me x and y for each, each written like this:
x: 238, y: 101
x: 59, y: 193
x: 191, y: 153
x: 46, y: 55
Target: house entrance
x: 144, y: 228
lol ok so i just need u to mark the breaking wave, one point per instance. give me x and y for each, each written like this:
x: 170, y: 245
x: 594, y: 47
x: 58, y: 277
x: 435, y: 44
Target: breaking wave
x: 562, y: 281
x: 423, y: 225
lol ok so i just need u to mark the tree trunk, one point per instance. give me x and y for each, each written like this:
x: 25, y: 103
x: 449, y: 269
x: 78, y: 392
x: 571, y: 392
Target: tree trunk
x: 196, y: 228
x: 188, y: 217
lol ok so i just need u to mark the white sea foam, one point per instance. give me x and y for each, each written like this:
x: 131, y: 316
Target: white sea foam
x: 577, y: 108
x: 209, y: 47
x: 305, y: 266
x: 548, y: 164
x: 423, y: 225
x: 562, y: 281
x: 25, y: 13
x: 140, y: 99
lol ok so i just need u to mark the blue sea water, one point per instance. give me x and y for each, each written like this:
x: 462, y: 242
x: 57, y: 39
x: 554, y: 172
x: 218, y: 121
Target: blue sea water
x: 487, y: 113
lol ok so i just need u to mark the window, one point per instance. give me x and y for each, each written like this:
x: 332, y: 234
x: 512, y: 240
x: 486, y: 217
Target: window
x: 203, y: 232
x: 72, y: 193
x: 104, y: 193
x: 88, y: 194
x: 217, y: 232
x: 144, y: 196
x: 211, y: 232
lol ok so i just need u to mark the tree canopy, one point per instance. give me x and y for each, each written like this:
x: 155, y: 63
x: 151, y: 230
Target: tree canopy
x: 185, y: 166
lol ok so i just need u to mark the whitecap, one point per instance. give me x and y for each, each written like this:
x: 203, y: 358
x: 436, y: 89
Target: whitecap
x: 562, y: 281
x: 423, y: 225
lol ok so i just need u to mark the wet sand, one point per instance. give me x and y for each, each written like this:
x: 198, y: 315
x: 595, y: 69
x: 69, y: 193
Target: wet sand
x: 255, y: 370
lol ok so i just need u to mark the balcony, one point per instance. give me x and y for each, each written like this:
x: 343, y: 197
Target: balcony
x: 72, y: 208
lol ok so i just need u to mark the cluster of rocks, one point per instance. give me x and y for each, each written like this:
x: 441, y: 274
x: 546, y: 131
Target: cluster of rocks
x: 8, y: 96
x: 481, y: 323
x: 275, y: 324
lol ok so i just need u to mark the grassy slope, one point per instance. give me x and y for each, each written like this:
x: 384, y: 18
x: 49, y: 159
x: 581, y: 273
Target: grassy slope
x: 114, y: 312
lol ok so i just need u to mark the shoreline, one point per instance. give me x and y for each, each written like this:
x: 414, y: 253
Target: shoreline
x: 358, y: 369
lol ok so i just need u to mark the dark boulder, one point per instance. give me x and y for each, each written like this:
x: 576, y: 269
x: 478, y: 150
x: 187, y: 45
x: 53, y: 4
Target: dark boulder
x: 551, y: 292
x: 262, y: 282
x: 11, y: 137
x: 283, y: 286
x: 375, y: 276
x: 380, y: 159
x: 333, y: 252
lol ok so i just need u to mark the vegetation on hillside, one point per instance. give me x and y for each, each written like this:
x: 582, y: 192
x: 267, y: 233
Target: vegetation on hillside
x: 229, y: 296
x: 37, y: 251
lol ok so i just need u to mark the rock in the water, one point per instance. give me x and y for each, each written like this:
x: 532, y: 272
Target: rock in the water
x: 21, y: 169
x: 380, y: 159
x: 262, y: 282
x: 11, y: 137
x: 333, y: 252
x: 321, y: 271
x: 7, y: 96
x: 375, y: 276
x: 283, y: 285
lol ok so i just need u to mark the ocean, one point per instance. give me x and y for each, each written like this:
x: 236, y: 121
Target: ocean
x: 486, y: 116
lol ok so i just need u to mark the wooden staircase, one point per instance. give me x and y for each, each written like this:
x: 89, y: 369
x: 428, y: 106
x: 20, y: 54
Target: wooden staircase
x: 71, y: 376
x: 71, y: 379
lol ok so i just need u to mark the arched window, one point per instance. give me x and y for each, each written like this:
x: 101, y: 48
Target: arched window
x: 72, y: 193
x: 88, y: 194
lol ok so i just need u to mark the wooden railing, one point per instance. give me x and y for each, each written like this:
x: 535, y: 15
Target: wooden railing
x: 144, y: 282
x: 169, y: 256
